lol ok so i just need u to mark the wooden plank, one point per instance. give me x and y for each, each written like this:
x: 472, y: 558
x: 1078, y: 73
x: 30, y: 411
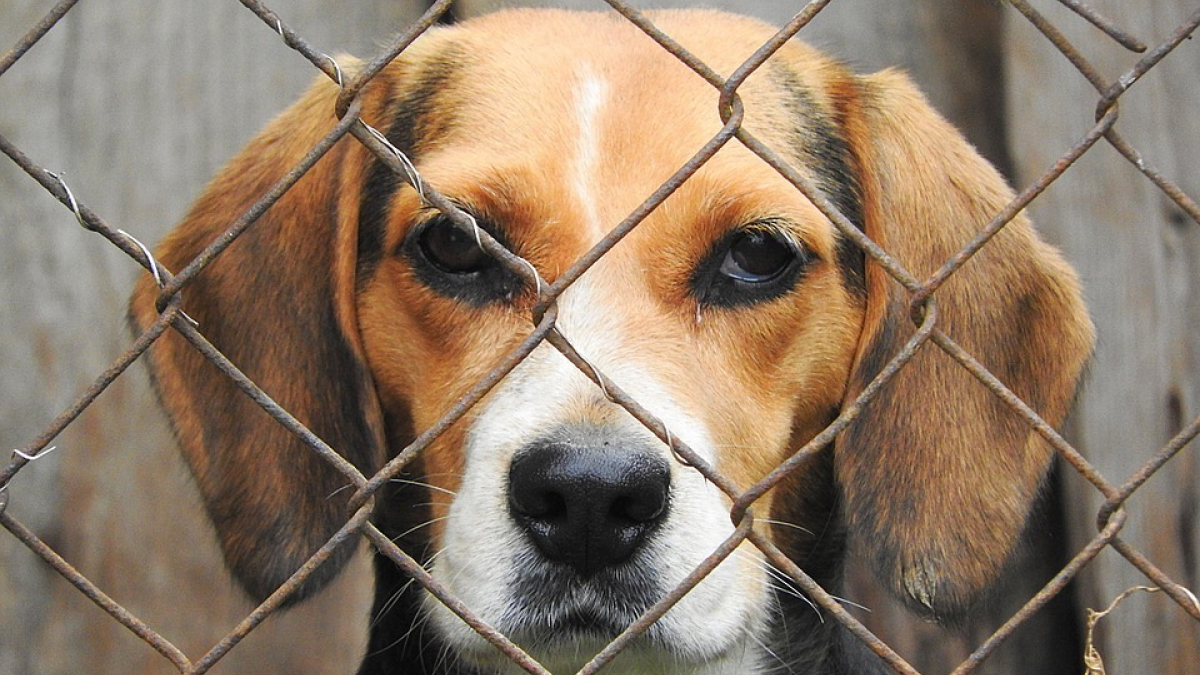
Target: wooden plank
x: 1137, y: 254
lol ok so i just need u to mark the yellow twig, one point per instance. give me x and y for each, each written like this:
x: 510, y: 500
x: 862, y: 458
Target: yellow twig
x: 1093, y: 664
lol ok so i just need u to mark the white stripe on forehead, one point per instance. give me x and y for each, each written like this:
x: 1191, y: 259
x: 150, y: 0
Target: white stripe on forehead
x: 590, y: 95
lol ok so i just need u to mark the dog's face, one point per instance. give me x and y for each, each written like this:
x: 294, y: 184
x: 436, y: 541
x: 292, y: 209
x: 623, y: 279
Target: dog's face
x: 727, y: 312
x: 735, y: 313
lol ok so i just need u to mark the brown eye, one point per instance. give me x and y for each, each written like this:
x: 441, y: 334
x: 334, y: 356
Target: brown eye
x: 755, y: 256
x: 450, y: 249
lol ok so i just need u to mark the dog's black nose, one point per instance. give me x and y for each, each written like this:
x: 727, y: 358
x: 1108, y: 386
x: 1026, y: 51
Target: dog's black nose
x: 588, y: 507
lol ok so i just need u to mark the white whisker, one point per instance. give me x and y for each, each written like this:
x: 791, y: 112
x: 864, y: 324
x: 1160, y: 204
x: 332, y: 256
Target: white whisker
x: 414, y: 528
x: 417, y: 483
x: 784, y: 523
x: 781, y: 582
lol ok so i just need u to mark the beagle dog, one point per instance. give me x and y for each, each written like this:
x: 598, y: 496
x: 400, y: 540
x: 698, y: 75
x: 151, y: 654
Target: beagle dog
x: 735, y: 313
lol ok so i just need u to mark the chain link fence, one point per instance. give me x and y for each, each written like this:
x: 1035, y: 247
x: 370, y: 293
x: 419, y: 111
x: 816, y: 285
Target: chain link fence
x: 1115, y: 491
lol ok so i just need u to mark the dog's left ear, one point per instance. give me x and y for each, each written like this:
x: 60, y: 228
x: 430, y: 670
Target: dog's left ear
x: 279, y: 302
x: 938, y: 474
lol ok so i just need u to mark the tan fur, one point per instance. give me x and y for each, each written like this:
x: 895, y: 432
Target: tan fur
x: 937, y: 475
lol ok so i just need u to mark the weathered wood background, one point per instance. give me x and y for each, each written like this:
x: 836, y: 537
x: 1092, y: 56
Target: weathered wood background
x: 139, y: 102
x: 1139, y: 257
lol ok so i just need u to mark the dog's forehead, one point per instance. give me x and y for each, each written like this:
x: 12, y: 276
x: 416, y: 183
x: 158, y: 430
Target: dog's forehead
x: 525, y: 75
x: 541, y: 118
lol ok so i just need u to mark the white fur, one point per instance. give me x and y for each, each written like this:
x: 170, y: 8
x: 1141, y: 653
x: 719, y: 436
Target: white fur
x: 590, y: 97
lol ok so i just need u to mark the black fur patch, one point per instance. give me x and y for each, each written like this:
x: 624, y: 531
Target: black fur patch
x: 413, y: 127
x: 818, y: 142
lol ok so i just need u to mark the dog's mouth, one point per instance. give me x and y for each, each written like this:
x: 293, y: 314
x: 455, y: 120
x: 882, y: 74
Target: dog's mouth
x: 551, y: 602
x: 574, y: 625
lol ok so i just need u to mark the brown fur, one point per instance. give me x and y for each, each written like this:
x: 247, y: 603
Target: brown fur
x: 937, y: 475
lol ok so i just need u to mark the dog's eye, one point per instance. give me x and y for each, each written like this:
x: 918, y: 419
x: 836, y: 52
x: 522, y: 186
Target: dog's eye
x: 450, y: 261
x: 756, y: 257
x: 748, y: 266
x: 450, y: 249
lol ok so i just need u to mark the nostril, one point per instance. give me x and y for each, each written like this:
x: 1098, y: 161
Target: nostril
x: 640, y: 507
x: 542, y: 504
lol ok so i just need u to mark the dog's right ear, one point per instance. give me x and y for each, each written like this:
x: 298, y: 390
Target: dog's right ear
x: 279, y: 302
x: 938, y: 475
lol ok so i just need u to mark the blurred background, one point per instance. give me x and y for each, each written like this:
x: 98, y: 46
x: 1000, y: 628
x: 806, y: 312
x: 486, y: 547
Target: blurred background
x: 138, y: 102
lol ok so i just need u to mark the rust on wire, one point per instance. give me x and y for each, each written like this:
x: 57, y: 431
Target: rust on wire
x: 1184, y: 597
x: 35, y: 34
x: 832, y: 605
x: 57, y: 187
x: 413, y: 569
x: 260, y: 207
x: 395, y: 161
x: 101, y: 383
x: 268, y: 404
x: 1173, y: 191
x: 321, y: 60
x: 642, y: 415
x: 1014, y: 207
x: 666, y: 42
x: 1052, y: 588
x: 1104, y: 24
x: 1060, y: 42
x: 460, y: 408
x: 1035, y: 421
x: 93, y: 592
x: 402, y: 41
x: 658, y: 609
x: 1144, y: 65
x: 848, y: 415
x: 760, y: 56
x: 1110, y: 92
x: 286, y: 590
x: 1152, y: 465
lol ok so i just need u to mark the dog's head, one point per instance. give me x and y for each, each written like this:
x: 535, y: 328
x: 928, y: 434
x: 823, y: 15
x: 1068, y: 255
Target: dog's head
x: 735, y: 313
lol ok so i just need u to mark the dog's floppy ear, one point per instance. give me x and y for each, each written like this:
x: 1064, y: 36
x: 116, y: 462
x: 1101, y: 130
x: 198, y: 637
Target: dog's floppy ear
x: 938, y: 474
x: 279, y: 302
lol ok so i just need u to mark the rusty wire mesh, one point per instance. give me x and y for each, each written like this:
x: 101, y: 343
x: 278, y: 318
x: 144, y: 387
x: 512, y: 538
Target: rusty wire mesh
x: 1110, y: 518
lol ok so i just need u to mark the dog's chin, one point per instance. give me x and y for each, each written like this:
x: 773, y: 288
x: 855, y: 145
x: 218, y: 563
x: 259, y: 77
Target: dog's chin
x: 565, y: 634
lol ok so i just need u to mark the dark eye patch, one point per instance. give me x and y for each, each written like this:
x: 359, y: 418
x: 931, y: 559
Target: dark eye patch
x: 417, y: 117
x: 749, y: 265
x: 450, y: 261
